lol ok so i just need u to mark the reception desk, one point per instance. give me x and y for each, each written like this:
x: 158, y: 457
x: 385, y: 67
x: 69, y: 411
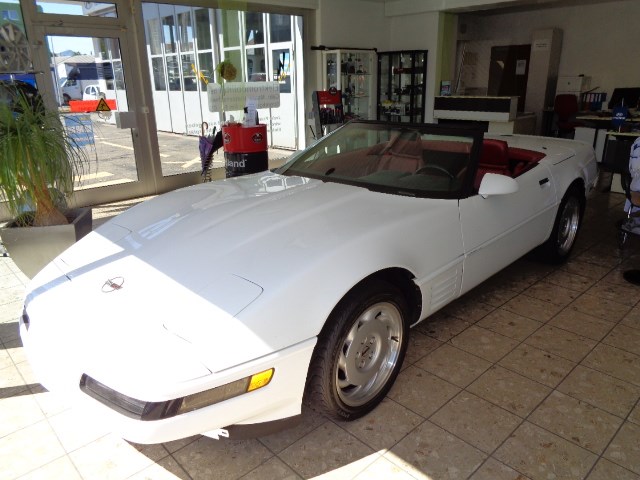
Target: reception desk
x: 499, y: 114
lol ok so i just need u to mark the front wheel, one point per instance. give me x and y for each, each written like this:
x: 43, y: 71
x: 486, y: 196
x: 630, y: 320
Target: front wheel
x: 359, y: 352
x: 565, y: 229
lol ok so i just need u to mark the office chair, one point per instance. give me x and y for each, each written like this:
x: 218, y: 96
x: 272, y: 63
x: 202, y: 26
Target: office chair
x: 565, y: 107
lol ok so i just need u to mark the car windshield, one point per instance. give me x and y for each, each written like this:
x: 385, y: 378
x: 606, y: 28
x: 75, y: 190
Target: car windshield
x: 420, y: 160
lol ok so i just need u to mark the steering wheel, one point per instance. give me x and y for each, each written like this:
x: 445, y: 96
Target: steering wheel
x: 436, y: 168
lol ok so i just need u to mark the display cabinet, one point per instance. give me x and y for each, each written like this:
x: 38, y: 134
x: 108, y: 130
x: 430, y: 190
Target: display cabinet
x: 401, y: 88
x: 352, y: 72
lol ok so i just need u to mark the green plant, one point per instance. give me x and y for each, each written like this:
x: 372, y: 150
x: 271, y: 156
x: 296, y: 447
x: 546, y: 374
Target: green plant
x: 38, y: 158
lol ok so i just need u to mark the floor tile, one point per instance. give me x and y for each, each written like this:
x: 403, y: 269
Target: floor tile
x: 494, y: 470
x: 62, y: 468
x: 576, y: 421
x: 632, y: 319
x: 74, y: 430
x: 542, y: 455
x: 279, y: 441
x: 28, y: 449
x: 537, y: 365
x: 561, y: 343
x: 626, y: 294
x: 421, y: 392
x: 484, y: 343
x: 591, y: 270
x: 272, y: 469
x: 208, y: 458
x: 385, y: 426
x: 635, y: 414
x: 492, y: 294
x: 532, y: 308
x: 582, y: 324
x: 114, y: 458
x: 606, y: 470
x: 476, y: 421
x: 18, y: 412
x: 419, y: 346
x: 468, y: 309
x: 615, y: 362
x: 165, y: 469
x: 437, y: 453
x: 442, y: 326
x: 548, y: 292
x: 383, y: 469
x: 11, y: 382
x: 601, y: 390
x: 326, y: 448
x: 600, y: 307
x: 454, y: 365
x: 624, y: 338
x: 625, y: 448
x: 572, y: 281
x: 509, y: 324
x: 509, y: 390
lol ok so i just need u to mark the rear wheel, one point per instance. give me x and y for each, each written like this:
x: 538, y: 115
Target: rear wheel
x: 565, y: 229
x: 359, y: 352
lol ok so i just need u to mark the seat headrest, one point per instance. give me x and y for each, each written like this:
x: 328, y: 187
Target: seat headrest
x: 494, y: 153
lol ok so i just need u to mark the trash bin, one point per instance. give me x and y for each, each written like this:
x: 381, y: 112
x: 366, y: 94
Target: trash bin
x: 245, y: 149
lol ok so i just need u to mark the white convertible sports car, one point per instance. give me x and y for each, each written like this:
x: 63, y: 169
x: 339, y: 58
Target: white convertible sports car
x: 221, y: 307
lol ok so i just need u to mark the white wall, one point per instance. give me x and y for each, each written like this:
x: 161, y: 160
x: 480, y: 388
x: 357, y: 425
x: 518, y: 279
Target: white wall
x: 420, y: 32
x: 601, y: 41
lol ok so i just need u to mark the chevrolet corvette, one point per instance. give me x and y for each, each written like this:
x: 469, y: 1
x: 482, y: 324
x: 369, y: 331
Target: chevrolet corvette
x: 221, y: 308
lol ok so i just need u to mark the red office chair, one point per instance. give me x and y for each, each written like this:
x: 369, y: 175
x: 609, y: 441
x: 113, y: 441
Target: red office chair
x: 565, y: 107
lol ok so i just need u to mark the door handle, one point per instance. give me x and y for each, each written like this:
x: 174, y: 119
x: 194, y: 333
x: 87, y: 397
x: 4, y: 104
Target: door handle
x: 543, y: 182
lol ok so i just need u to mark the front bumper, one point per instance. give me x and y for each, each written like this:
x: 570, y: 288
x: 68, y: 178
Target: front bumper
x: 281, y: 399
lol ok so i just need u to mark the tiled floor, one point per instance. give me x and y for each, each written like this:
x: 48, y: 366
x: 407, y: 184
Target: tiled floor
x: 535, y: 374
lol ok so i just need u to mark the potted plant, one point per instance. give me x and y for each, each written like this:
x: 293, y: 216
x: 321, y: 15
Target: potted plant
x: 39, y: 162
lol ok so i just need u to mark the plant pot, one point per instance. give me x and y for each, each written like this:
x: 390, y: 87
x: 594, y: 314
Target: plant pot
x: 31, y: 248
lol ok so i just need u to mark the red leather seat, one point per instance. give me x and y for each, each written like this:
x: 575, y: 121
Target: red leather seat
x: 494, y: 158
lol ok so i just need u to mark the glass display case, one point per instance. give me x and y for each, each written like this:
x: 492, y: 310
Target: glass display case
x: 401, y: 90
x: 351, y: 72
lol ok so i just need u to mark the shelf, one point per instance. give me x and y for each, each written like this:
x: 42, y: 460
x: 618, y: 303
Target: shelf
x: 401, y: 83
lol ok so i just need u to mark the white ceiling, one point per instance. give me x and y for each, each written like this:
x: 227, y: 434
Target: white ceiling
x: 485, y: 6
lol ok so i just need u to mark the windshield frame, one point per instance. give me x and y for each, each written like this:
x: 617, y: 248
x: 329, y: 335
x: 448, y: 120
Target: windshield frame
x: 464, y: 187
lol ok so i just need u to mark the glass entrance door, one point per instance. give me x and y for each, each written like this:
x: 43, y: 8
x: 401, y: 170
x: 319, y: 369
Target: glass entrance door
x: 91, y: 93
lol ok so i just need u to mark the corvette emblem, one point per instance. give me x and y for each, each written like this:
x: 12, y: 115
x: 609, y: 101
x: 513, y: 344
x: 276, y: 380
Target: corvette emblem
x: 112, y: 285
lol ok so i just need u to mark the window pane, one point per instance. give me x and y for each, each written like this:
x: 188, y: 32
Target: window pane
x: 189, y: 72
x: 282, y: 69
x: 235, y: 58
x: 206, y: 69
x: 185, y: 31
x: 254, y: 28
x: 256, y: 65
x: 230, y: 28
x: 70, y: 7
x: 173, y: 73
x: 169, y: 34
x: 203, y: 29
x: 280, y: 28
x: 158, y: 74
x: 154, y: 36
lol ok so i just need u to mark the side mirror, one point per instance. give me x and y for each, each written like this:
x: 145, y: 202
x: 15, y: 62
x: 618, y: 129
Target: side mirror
x: 495, y: 184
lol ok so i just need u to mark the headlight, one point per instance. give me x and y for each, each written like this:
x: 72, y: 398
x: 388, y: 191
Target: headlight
x: 142, y: 410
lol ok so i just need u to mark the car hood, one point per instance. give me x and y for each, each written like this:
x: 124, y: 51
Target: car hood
x: 188, y: 262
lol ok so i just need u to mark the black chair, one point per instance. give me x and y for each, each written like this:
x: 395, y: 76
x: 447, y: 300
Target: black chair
x: 565, y: 107
x: 626, y: 226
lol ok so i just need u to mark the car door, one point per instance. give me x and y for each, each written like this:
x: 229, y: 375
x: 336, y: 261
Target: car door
x: 499, y: 229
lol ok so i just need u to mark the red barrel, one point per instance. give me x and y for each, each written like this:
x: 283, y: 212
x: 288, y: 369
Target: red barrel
x: 245, y: 149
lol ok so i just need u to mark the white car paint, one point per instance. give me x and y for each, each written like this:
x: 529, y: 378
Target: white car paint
x: 220, y: 280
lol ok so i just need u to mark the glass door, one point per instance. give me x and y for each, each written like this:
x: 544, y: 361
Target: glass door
x: 85, y: 71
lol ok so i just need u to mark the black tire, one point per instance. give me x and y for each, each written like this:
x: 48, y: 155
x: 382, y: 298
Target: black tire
x: 567, y: 224
x: 359, y: 352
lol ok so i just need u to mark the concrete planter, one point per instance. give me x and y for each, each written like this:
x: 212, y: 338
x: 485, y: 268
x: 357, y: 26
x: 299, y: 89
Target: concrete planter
x: 31, y: 248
